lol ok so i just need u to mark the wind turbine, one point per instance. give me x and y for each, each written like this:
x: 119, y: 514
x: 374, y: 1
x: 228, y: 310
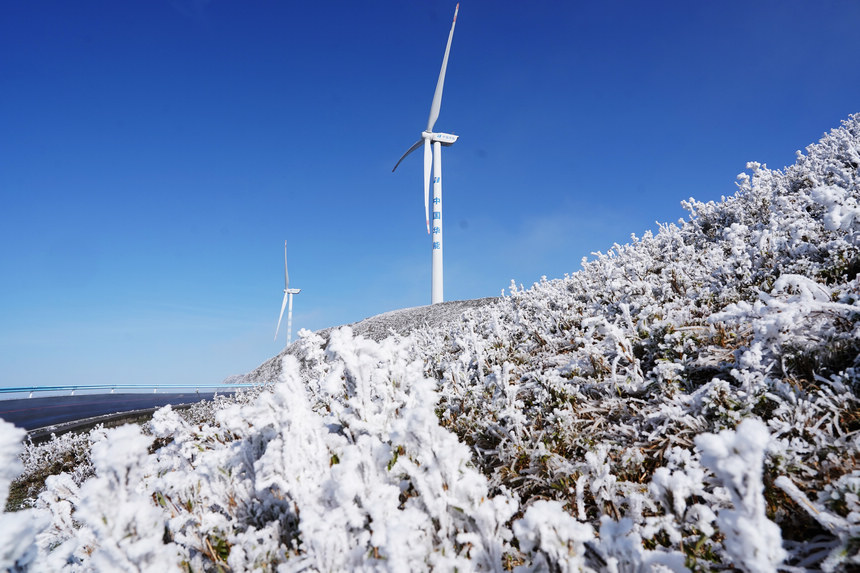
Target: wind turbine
x: 434, y: 157
x: 288, y: 301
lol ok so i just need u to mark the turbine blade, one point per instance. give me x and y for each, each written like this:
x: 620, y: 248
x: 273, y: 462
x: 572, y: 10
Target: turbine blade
x: 411, y: 149
x: 437, y: 96
x: 286, y: 273
x: 283, y: 306
x: 428, y: 160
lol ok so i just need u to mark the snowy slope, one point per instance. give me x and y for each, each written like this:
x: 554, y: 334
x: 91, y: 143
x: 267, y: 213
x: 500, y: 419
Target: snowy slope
x: 402, y: 322
x: 687, y: 401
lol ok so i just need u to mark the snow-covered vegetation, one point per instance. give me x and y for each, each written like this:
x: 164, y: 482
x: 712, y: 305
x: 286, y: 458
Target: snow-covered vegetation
x: 687, y: 401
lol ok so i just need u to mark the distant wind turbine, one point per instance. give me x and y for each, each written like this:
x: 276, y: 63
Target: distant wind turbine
x: 288, y: 301
x: 435, y: 157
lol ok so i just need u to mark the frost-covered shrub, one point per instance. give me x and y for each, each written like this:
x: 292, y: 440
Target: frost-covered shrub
x: 752, y: 540
x: 346, y: 470
x: 17, y: 530
x: 554, y: 537
x: 748, y: 309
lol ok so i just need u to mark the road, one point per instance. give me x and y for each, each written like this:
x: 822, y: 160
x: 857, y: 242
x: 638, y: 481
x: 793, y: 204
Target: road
x: 34, y: 413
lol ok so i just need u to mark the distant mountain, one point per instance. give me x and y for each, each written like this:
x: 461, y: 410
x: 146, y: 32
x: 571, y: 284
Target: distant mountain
x: 686, y: 401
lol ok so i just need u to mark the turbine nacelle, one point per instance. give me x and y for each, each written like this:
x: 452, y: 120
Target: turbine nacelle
x: 445, y: 139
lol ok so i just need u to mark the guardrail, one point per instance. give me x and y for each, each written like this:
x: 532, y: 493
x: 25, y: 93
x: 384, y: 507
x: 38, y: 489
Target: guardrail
x: 111, y: 389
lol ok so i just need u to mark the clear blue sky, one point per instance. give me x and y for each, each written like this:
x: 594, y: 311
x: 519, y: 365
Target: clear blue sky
x: 154, y: 155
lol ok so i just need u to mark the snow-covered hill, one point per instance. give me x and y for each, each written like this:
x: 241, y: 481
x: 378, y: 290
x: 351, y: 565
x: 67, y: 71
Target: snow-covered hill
x: 396, y: 322
x: 687, y: 401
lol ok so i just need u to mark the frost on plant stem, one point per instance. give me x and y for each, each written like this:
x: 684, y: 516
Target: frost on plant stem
x: 842, y: 494
x: 736, y: 457
x: 554, y: 537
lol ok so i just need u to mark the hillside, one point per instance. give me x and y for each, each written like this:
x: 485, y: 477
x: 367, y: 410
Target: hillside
x: 686, y: 401
x: 396, y: 322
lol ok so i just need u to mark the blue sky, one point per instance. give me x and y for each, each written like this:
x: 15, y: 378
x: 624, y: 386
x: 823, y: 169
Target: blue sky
x: 155, y: 155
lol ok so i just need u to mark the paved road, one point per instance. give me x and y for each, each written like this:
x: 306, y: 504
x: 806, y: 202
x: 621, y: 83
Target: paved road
x: 33, y: 413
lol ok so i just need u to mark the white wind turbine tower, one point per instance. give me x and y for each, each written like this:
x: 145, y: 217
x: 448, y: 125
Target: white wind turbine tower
x: 288, y: 301
x: 435, y: 157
